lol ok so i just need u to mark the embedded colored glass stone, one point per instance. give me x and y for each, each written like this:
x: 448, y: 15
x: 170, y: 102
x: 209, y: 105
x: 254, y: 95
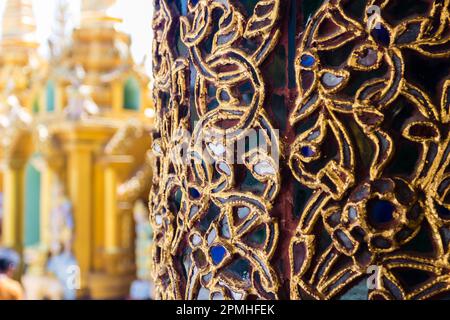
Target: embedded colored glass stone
x: 212, y: 236
x: 225, y: 168
x: 217, y: 149
x: 157, y: 148
x: 217, y: 254
x: 217, y: 296
x: 352, y: 214
x: 199, y: 258
x: 344, y: 240
x: 257, y: 237
x: 225, y: 229
x: 194, y: 193
x: 307, y: 152
x: 224, y: 96
x: 158, y: 219
x: 193, y: 211
x: 381, y: 35
x: 240, y: 269
x: 369, y: 59
x: 331, y: 80
x: 443, y: 212
x: 243, y: 212
x: 334, y: 219
x: 236, y: 295
x: 380, y: 211
x: 264, y: 168
x: 307, y: 61
x: 203, y: 294
x: 176, y: 201
x: 207, y: 277
x: 196, y: 240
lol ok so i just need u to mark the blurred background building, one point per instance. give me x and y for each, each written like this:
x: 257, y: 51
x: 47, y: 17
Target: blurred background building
x: 75, y: 118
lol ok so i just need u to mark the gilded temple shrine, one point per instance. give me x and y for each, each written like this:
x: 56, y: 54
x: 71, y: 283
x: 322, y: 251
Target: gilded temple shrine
x: 76, y: 159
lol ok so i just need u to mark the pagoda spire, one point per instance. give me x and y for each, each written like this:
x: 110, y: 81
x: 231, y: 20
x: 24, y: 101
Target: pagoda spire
x: 18, y: 23
x: 98, y: 13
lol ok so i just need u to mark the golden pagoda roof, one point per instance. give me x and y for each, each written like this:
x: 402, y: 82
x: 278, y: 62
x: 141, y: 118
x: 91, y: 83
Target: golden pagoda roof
x: 19, y: 23
x: 98, y: 13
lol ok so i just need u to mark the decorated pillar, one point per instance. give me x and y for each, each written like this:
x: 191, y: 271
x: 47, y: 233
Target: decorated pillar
x: 13, y: 219
x: 18, y: 60
x: 52, y: 190
x: 302, y: 149
x: 90, y: 74
x: 113, y: 247
x: 81, y: 146
x: 13, y: 163
x: 79, y: 162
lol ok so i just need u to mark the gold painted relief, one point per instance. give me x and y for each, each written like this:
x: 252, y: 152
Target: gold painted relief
x: 213, y: 240
x: 367, y: 135
x: 368, y: 212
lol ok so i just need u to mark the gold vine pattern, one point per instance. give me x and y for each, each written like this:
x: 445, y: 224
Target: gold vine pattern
x: 368, y: 136
x: 213, y: 240
x: 368, y: 212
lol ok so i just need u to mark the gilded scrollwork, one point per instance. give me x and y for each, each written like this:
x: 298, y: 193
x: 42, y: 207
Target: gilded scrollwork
x: 365, y: 145
x: 369, y: 212
x: 212, y: 239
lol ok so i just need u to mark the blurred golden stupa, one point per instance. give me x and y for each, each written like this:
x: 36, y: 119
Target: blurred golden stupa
x: 72, y: 133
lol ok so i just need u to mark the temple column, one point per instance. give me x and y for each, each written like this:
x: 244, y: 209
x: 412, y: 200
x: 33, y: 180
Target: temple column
x: 111, y: 216
x: 46, y: 200
x: 49, y: 176
x: 114, y: 279
x: 13, y: 204
x: 99, y: 216
x: 82, y: 144
x: 79, y: 184
x: 113, y: 249
x: 117, y: 96
x: 60, y: 97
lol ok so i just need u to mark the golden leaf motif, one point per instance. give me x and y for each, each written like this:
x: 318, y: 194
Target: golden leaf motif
x: 263, y: 19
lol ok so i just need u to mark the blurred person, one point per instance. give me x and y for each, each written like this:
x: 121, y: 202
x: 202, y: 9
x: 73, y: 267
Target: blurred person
x: 62, y: 262
x: 38, y: 283
x: 10, y: 289
x: 142, y: 287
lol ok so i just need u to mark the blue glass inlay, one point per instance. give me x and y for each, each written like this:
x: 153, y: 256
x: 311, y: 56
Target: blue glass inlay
x: 381, y: 35
x: 217, y: 254
x: 184, y: 4
x: 194, y: 193
x: 307, y: 152
x: 240, y: 269
x: 307, y: 61
x: 443, y: 212
x: 381, y: 211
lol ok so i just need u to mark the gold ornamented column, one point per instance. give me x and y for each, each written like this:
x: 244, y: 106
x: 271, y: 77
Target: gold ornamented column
x: 87, y: 114
x: 19, y: 62
x: 13, y: 167
x: 81, y: 143
x: 13, y: 223
x: 18, y: 67
x: 79, y: 162
x: 347, y: 178
x: 113, y: 166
